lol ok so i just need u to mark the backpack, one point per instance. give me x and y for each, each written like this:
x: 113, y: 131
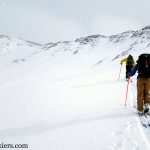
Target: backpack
x: 130, y: 60
x: 144, y: 65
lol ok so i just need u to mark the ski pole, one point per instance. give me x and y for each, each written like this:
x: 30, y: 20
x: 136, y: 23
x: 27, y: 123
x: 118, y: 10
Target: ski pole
x: 120, y: 72
x: 127, y: 91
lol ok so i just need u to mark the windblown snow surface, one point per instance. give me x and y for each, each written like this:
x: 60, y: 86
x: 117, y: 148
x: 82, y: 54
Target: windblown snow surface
x: 67, y: 96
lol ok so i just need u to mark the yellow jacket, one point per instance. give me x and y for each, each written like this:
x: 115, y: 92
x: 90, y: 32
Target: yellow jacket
x: 125, y: 60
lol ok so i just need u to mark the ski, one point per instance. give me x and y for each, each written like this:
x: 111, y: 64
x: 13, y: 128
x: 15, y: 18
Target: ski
x: 148, y: 118
x: 144, y: 120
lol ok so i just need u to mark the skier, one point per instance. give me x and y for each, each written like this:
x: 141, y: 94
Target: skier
x: 130, y: 63
x: 143, y: 83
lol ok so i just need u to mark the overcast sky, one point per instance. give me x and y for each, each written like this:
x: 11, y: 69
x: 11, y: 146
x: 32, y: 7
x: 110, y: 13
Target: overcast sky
x: 56, y: 20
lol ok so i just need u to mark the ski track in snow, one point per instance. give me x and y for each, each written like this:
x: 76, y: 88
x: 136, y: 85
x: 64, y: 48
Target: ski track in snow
x: 143, y: 131
x: 132, y: 135
x: 123, y: 138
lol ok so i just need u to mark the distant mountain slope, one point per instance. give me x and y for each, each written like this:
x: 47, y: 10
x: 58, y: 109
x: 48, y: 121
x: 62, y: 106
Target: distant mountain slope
x: 126, y: 41
x: 84, y: 51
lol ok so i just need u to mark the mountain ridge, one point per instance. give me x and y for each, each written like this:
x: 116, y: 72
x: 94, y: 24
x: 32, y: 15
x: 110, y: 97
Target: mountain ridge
x: 87, y: 48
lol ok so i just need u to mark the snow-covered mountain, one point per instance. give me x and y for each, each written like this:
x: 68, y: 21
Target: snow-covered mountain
x: 119, y: 45
x: 67, y: 96
x: 12, y: 46
x: 131, y: 38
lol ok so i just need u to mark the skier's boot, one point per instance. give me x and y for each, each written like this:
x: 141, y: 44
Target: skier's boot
x: 146, y: 108
x: 140, y: 113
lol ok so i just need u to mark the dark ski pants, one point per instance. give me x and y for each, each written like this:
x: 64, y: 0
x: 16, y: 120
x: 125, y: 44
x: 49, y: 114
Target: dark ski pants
x: 143, y: 92
x: 128, y: 69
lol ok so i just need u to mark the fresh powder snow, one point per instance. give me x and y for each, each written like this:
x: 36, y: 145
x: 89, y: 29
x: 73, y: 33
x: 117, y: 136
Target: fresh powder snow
x: 67, y: 95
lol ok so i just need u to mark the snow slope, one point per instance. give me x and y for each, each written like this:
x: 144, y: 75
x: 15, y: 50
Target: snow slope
x: 67, y: 96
